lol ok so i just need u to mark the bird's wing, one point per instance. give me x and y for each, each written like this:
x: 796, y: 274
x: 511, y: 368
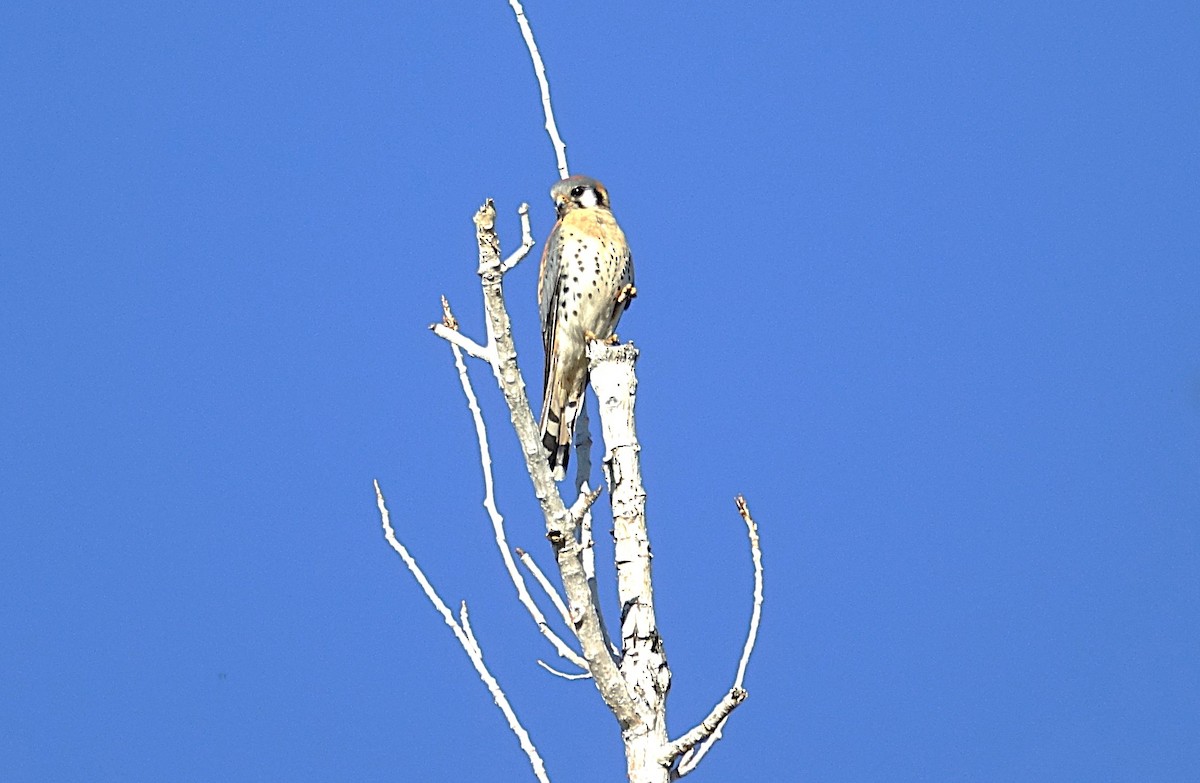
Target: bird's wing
x: 548, y: 292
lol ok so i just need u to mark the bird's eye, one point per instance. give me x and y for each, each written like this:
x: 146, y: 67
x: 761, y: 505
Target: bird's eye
x: 577, y: 191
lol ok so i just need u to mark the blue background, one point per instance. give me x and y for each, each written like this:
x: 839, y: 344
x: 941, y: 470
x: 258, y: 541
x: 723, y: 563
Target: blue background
x: 920, y: 279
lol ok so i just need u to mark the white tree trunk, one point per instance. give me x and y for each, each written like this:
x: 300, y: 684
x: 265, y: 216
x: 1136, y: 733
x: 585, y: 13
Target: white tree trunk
x: 643, y: 662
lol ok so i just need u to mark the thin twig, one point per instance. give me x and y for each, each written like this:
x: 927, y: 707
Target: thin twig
x: 467, y: 640
x: 583, y: 447
x: 540, y: 577
x: 560, y: 148
x: 489, y: 502
x: 703, y: 737
x: 581, y: 510
x: 583, y: 513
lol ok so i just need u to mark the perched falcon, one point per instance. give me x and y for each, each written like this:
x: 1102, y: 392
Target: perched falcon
x: 584, y: 284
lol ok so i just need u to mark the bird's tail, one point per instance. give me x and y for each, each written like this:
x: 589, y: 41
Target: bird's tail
x: 559, y: 412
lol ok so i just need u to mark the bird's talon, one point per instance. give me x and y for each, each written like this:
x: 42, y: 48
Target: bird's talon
x: 626, y: 293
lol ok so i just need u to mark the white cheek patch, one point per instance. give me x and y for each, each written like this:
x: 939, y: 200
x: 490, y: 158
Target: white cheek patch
x: 588, y: 198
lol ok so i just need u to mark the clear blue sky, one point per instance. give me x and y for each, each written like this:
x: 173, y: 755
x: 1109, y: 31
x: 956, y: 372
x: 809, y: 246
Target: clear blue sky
x: 922, y: 280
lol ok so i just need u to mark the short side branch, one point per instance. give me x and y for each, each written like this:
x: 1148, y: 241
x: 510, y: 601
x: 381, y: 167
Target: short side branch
x: 564, y: 675
x: 461, y: 341
x: 526, y: 242
x: 465, y: 637
x: 706, y: 728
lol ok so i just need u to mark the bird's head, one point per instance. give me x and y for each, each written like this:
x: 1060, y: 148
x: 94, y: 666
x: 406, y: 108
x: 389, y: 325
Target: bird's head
x: 578, y: 192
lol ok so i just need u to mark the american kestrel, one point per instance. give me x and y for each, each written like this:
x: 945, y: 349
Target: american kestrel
x: 585, y: 283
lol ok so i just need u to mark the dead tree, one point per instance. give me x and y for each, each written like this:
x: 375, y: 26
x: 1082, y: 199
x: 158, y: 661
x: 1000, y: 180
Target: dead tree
x: 630, y: 671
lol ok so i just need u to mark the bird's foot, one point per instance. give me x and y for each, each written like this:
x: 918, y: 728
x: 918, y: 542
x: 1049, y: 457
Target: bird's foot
x: 589, y: 336
x: 627, y: 293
